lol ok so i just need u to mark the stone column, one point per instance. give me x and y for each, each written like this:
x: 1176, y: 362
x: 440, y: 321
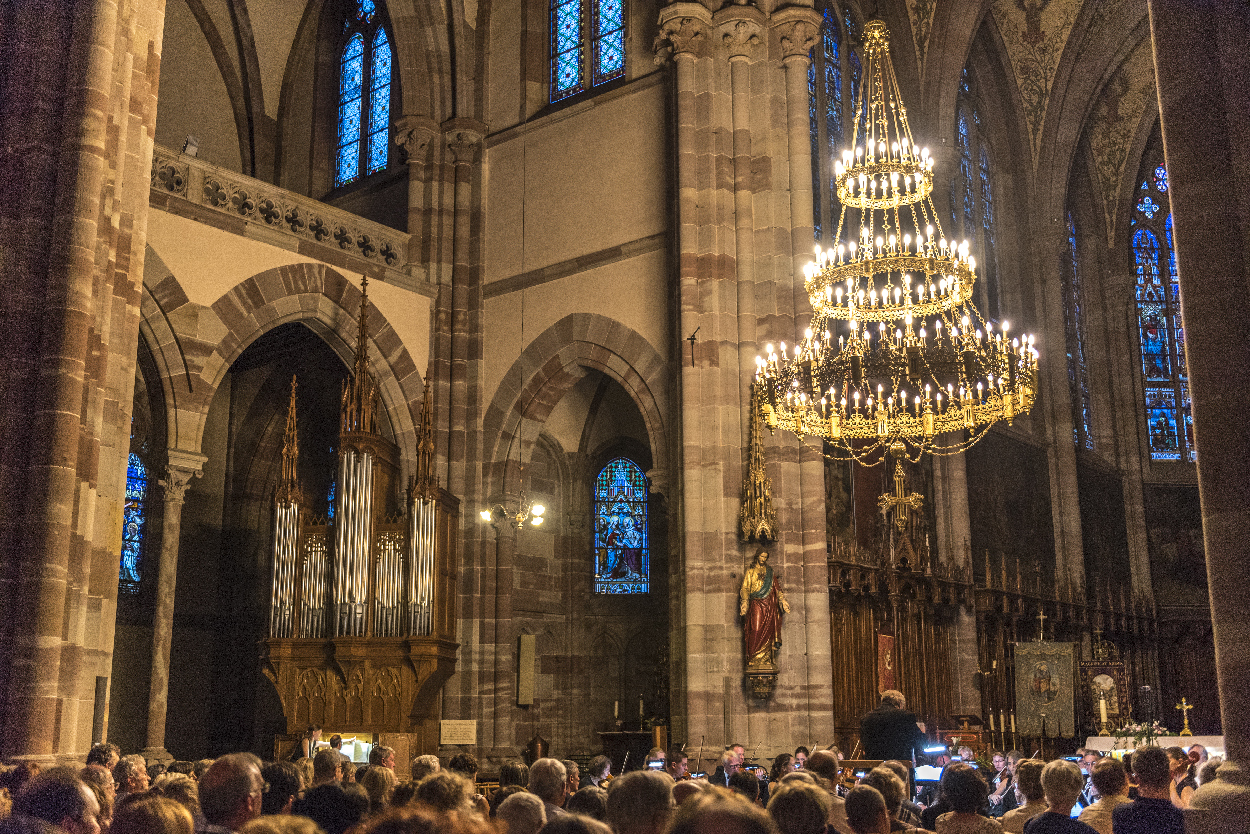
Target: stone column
x: 799, y: 28
x: 413, y: 135
x: 183, y: 466
x: 1201, y: 66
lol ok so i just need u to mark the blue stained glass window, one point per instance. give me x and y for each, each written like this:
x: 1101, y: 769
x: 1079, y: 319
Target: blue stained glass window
x: 1078, y: 370
x: 364, y: 113
x: 1169, y: 422
x: 334, y: 485
x: 566, y: 48
x: 621, y: 553
x: 134, y: 517
x: 609, y: 45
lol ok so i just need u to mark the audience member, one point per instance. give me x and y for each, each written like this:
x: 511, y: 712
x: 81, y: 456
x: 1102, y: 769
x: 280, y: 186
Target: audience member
x: 497, y: 798
x: 58, y: 796
x: 465, y: 764
x: 152, y: 814
x: 352, y: 773
x: 1062, y: 783
x: 183, y: 767
x: 327, y: 767
x: 591, y: 802
x: 130, y: 775
x: 1089, y: 758
x: 1111, y: 784
x: 404, y: 793
x: 1208, y: 771
x: 382, y: 756
x: 281, y: 824
x: 908, y: 812
x: 379, y: 784
x: 1032, y: 797
x: 824, y: 765
x: 155, y: 770
x: 892, y: 789
x: 15, y: 777
x: 745, y: 785
x: 1152, y: 812
x: 514, y: 772
x: 100, y: 781
x: 575, y: 824
x: 682, y: 791
x: 596, y: 772
x: 305, y: 768
x: 799, y: 808
x: 105, y: 754
x: 330, y: 807
x: 423, y: 766
x: 549, y: 782
x: 966, y: 792
x: 182, y: 789
x: 285, y: 784
x: 200, y: 768
x: 523, y: 813
x: 640, y: 802
x: 1184, y: 781
x: 231, y: 792
x: 866, y: 812
x: 716, y: 810
x: 446, y: 791
x: 572, y: 773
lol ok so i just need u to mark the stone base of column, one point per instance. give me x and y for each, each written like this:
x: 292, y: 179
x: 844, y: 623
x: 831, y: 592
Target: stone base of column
x: 1223, y: 805
x: 152, y: 755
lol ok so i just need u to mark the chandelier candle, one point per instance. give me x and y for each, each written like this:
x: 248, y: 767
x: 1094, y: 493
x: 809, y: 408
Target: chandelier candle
x: 897, y: 352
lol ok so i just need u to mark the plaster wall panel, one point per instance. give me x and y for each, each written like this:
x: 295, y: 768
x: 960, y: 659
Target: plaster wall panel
x: 274, y: 25
x: 194, y: 99
x: 576, y: 184
x: 504, y: 64
x: 631, y: 291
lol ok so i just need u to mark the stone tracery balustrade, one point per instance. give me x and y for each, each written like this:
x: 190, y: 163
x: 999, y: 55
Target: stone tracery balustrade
x: 301, y: 218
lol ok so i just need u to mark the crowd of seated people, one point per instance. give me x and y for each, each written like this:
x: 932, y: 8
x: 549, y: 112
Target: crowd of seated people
x: 803, y: 793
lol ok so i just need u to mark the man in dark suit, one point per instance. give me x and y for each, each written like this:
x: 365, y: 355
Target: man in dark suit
x: 890, y: 731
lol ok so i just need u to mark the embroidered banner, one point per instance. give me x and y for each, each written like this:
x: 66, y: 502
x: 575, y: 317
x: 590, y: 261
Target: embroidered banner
x: 1044, y: 688
x: 886, y: 663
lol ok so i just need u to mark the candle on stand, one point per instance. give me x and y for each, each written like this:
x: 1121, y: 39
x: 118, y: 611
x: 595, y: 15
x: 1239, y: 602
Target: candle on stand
x: 616, y: 709
x: 991, y: 721
x: 1102, y: 708
x: 1013, y: 723
x: 1002, y: 720
x: 641, y: 712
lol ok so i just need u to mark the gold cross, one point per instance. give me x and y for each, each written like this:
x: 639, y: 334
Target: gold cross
x: 1041, y: 624
x: 900, y: 500
x: 1184, y: 706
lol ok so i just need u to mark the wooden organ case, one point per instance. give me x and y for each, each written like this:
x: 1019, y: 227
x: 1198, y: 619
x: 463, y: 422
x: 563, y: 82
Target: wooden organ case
x: 362, y: 624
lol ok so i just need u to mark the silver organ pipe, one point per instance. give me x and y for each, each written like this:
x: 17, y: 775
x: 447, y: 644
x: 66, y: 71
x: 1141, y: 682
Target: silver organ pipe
x: 421, y: 557
x: 388, y: 585
x: 353, y: 526
x: 286, y: 538
x: 313, y: 588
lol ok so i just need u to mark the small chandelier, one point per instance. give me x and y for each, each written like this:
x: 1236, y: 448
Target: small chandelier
x: 897, y: 356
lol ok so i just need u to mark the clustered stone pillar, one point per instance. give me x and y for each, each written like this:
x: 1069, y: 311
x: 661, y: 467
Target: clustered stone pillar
x: 79, y: 113
x: 1201, y: 66
x: 183, y: 466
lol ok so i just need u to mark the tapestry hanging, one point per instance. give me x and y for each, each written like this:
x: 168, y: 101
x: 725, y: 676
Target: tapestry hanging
x: 1044, y: 688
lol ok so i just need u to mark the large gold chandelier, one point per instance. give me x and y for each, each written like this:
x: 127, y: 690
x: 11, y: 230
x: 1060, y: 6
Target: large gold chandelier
x: 897, y: 356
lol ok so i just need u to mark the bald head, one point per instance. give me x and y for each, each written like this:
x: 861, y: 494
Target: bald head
x: 231, y: 790
x: 823, y: 763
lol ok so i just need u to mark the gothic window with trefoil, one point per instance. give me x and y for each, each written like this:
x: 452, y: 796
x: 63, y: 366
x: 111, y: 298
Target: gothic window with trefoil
x: 364, y: 95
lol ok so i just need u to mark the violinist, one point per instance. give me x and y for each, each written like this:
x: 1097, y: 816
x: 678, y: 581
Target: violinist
x: 1002, y: 795
x: 678, y: 765
x: 597, y: 772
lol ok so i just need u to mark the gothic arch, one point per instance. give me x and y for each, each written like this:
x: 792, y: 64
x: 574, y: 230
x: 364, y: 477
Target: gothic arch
x: 562, y: 354
x: 311, y: 293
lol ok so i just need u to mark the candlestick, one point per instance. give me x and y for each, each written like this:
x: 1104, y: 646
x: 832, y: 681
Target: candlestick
x: 1102, y: 708
x: 1002, y: 720
x: 991, y: 721
x: 641, y: 712
x: 616, y: 709
x: 1013, y: 723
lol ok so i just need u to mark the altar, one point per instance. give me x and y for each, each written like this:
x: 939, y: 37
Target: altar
x: 1105, y: 744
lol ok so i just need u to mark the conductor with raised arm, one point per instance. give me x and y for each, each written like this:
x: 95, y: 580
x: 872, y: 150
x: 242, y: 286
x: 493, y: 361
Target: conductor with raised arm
x: 890, y: 731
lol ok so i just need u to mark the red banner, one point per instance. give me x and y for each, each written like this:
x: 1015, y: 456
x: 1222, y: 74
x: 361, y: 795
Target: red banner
x: 886, y: 663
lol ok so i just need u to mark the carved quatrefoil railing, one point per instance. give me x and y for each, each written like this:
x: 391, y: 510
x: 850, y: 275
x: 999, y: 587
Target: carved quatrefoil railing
x: 293, y: 216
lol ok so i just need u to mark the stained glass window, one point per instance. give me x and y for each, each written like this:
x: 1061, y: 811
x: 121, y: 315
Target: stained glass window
x: 1078, y: 370
x: 579, y: 52
x: 972, y: 195
x: 1161, y: 331
x: 622, y: 556
x: 364, y: 110
x: 330, y: 500
x: 832, y: 83
x: 134, y: 517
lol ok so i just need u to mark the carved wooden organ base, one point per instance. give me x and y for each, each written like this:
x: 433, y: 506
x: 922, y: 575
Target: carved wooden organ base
x: 373, y: 684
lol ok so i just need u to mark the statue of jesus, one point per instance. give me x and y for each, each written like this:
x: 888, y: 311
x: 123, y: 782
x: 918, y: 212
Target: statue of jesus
x: 762, y: 607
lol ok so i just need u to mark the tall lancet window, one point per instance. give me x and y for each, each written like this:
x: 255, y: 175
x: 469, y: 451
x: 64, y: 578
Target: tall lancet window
x: 1161, y: 331
x: 1074, y: 339
x: 134, y: 522
x: 587, y: 44
x: 972, y: 196
x: 622, y: 556
x: 364, y: 102
x: 832, y: 82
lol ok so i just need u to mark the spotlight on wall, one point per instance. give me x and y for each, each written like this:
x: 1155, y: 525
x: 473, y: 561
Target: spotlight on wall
x: 191, y: 147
